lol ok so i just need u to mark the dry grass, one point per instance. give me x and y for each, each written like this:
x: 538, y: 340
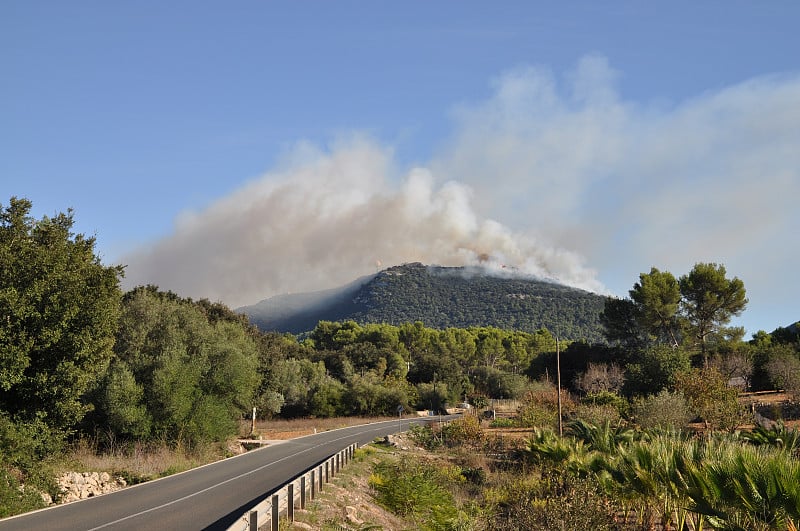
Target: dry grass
x: 139, y: 461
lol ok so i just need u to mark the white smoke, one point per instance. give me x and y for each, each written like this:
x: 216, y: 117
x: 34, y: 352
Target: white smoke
x: 543, y: 173
x: 326, y: 220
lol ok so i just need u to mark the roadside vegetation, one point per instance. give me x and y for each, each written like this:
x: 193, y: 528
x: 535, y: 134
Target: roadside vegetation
x: 152, y: 383
x: 467, y: 476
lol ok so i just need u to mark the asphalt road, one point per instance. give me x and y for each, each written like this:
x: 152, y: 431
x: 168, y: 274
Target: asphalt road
x: 209, y: 497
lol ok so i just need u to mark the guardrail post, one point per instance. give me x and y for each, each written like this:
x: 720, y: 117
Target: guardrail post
x: 313, y: 484
x: 290, y: 500
x: 275, y: 511
x: 253, y: 521
x: 320, y: 477
x: 303, y: 489
x: 328, y: 471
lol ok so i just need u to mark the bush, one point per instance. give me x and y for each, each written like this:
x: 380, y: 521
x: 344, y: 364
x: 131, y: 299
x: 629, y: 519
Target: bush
x: 409, y: 488
x: 540, y: 407
x: 557, y: 501
x: 425, y: 436
x: 597, y: 415
x: 502, y: 423
x: 464, y: 430
x: 14, y: 499
x: 664, y: 410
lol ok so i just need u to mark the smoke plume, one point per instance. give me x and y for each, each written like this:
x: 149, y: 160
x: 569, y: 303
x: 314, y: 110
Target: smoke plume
x: 329, y: 218
x: 546, y: 175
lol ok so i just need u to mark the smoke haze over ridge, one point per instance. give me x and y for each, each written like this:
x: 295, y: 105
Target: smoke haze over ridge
x: 557, y: 176
x: 330, y: 218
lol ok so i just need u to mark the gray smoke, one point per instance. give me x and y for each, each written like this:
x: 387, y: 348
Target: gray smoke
x: 330, y: 218
x: 546, y: 175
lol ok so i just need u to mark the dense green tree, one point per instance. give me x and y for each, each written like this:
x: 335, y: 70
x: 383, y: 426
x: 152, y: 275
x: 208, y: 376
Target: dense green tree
x: 709, y: 302
x: 197, y: 374
x: 657, y: 299
x: 306, y: 388
x: 654, y: 369
x: 621, y: 324
x: 495, y: 383
x: 58, y: 313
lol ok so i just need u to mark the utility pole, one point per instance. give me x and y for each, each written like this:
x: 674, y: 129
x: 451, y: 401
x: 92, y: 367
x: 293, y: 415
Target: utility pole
x: 558, y: 371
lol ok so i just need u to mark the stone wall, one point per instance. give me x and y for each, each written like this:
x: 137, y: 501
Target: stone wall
x: 81, y: 485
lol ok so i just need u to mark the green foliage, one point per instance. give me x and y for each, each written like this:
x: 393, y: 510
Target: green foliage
x: 59, y: 306
x: 465, y: 430
x: 654, y: 369
x: 539, y: 407
x: 711, y: 398
x: 122, y: 398
x: 691, y: 312
x: 411, y: 488
x: 620, y: 321
x: 499, y: 384
x: 181, y: 373
x: 25, y: 449
x: 710, y: 300
x: 445, y: 297
x: 657, y: 298
x: 743, y: 488
x: 424, y: 436
x: 14, y: 498
x: 678, y: 480
x: 598, y: 414
x: 778, y: 436
x: 432, y: 397
x: 604, y: 438
x: 503, y: 423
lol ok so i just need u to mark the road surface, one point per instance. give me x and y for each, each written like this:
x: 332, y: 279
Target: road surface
x: 209, y: 497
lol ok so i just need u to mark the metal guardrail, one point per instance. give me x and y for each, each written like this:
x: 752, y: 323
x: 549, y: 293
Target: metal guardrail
x: 293, y: 494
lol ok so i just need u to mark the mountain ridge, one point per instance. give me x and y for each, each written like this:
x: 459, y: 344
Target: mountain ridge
x: 440, y: 297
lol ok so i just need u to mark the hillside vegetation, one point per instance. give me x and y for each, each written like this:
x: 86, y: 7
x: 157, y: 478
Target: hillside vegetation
x: 441, y: 297
x: 84, y: 365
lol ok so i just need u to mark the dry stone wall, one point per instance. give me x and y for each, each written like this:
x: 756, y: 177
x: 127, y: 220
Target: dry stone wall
x: 81, y: 485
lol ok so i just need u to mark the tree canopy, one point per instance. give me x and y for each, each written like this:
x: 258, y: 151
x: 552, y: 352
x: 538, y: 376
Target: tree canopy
x: 689, y: 312
x: 58, y: 316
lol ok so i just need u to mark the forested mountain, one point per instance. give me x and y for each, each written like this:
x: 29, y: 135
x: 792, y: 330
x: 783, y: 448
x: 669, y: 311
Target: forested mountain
x: 440, y: 297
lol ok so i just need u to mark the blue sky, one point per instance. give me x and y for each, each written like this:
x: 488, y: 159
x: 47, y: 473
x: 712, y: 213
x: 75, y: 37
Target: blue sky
x: 239, y: 150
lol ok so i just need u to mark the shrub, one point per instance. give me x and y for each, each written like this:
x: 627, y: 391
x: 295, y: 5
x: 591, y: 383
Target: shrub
x: 464, y: 430
x: 540, y: 407
x: 664, y: 410
x: 14, y: 499
x: 557, y: 501
x: 502, y: 423
x: 425, y: 436
x: 603, y: 406
x: 410, y: 488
